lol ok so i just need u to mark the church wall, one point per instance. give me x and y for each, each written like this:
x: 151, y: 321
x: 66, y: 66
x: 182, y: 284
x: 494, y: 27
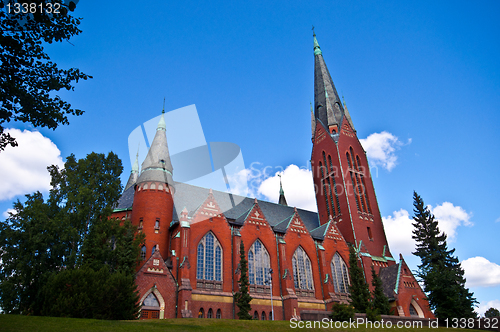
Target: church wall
x: 256, y: 228
x: 333, y: 243
x: 297, y: 235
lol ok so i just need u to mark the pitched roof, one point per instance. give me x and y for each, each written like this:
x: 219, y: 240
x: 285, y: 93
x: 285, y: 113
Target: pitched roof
x: 389, y: 277
x: 157, y: 165
x: 327, y: 105
x: 234, y: 207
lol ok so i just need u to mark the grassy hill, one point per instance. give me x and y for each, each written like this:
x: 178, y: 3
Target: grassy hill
x: 17, y: 323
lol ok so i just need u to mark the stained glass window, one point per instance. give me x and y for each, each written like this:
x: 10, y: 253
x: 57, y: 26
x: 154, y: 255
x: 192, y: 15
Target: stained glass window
x: 209, y: 260
x: 340, y: 276
x: 302, y: 272
x: 258, y: 264
x: 151, y: 301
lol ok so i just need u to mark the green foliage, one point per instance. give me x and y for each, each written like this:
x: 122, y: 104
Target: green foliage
x: 242, y: 297
x: 342, y: 312
x: 379, y: 302
x: 68, y: 232
x: 114, y: 245
x: 492, y: 312
x: 85, y: 293
x: 360, y: 294
x: 440, y: 271
x: 372, y: 314
x: 29, y: 77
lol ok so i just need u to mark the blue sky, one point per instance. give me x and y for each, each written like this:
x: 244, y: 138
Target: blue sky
x: 420, y: 79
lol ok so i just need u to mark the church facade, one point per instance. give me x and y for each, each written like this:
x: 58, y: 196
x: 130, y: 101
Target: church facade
x: 297, y: 259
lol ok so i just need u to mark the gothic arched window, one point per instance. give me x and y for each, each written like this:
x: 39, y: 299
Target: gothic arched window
x: 209, y: 261
x: 143, y: 253
x: 258, y: 264
x: 302, y: 272
x: 151, y: 301
x: 340, y: 275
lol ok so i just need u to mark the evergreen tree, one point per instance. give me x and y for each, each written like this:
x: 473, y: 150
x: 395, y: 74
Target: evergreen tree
x: 242, y: 297
x: 379, y: 300
x: 492, y: 312
x: 67, y: 232
x: 440, y: 272
x: 360, y: 294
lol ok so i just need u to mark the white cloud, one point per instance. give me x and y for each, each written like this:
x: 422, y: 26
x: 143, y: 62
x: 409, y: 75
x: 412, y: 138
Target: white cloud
x: 6, y: 212
x: 481, y: 272
x: 258, y: 182
x: 297, y: 184
x: 398, y: 229
x: 450, y: 217
x: 490, y: 304
x: 381, y: 147
x: 239, y: 183
x: 23, y: 169
x: 498, y: 220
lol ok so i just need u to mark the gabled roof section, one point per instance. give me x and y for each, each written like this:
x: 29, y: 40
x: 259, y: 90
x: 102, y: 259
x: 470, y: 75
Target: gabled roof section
x: 254, y: 216
x: 282, y: 226
x: 329, y: 231
x: 208, y: 209
x: 157, y: 165
x: 155, y: 264
x: 292, y: 223
x: 319, y: 232
x: 232, y: 206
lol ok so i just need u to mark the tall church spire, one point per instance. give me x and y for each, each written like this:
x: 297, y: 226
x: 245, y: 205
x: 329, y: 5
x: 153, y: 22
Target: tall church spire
x: 327, y: 105
x: 157, y: 165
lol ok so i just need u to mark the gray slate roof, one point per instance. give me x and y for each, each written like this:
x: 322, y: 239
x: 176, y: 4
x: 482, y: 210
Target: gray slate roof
x: 389, y: 276
x: 234, y: 207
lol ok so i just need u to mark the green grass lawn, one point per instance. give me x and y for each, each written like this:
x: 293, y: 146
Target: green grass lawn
x: 17, y: 323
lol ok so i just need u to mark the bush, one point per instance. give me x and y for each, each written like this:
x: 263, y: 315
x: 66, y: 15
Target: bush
x: 342, y: 312
x: 372, y: 314
x: 85, y: 293
x: 492, y: 312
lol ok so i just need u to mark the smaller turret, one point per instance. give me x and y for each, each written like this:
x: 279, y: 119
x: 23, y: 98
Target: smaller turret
x: 134, y: 174
x: 282, y: 200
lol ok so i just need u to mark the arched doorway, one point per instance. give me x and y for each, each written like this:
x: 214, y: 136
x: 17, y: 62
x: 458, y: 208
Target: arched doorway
x: 152, y: 305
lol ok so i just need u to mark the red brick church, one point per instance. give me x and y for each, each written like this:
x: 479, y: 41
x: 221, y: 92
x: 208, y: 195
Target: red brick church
x: 190, y: 259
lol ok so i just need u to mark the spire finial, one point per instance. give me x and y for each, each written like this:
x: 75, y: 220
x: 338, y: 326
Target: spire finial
x: 161, y: 123
x: 135, y: 166
x: 317, y: 50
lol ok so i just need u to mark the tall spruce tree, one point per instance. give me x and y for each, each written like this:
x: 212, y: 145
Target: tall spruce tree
x: 379, y: 302
x: 440, y: 272
x: 360, y: 294
x: 242, y: 297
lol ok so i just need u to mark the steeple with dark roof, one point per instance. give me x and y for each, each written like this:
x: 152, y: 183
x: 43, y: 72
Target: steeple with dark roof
x: 134, y: 174
x: 157, y: 165
x: 327, y: 105
x: 282, y: 200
